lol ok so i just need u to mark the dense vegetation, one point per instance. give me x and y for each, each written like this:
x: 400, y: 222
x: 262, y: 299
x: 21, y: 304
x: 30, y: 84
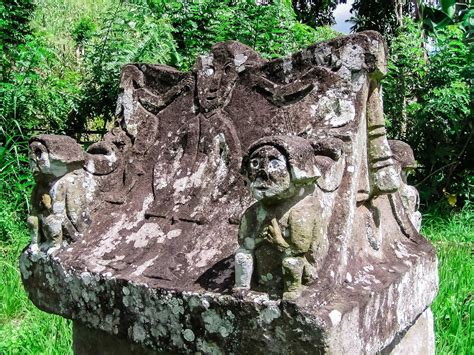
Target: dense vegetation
x: 59, y: 66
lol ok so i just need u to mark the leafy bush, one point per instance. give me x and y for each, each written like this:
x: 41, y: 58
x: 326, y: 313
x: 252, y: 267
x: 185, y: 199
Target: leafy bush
x: 83, y: 31
x: 14, y: 21
x: 427, y: 104
x: 130, y: 33
x: 31, y: 94
x: 271, y: 29
x: 407, y: 67
x: 443, y: 130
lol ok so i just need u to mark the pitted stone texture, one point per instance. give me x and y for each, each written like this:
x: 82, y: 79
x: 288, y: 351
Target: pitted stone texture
x: 155, y: 265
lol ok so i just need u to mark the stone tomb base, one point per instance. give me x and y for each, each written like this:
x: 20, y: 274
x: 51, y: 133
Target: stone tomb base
x: 115, y: 316
x: 157, y: 236
x: 418, y: 338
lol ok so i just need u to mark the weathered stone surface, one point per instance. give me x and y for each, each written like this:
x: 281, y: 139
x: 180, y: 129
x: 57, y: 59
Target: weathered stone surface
x: 417, y: 339
x: 88, y: 341
x: 154, y: 263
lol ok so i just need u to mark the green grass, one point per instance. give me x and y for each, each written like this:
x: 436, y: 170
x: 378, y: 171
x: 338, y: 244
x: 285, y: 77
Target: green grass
x: 453, y: 237
x: 24, y: 329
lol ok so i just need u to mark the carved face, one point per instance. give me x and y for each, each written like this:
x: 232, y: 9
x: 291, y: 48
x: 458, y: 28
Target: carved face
x: 268, y: 173
x: 42, y: 163
x: 215, y: 81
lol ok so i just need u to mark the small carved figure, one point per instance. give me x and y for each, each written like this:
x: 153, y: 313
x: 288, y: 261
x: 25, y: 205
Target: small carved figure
x: 404, y: 164
x: 61, y: 194
x: 383, y: 176
x: 281, y: 236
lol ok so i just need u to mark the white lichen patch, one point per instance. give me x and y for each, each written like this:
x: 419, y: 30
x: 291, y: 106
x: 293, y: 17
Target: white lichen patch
x: 353, y: 57
x: 142, y: 237
x: 335, y: 317
x: 188, y: 335
x: 138, y: 333
x: 174, y: 233
x: 141, y: 268
x: 206, y: 256
x: 89, y: 186
x: 207, y: 64
x: 287, y: 64
x: 214, y: 323
x: 134, y: 220
x: 401, y: 250
x: 188, y: 182
x: 335, y: 109
x: 348, y: 277
x: 239, y: 62
x: 270, y: 313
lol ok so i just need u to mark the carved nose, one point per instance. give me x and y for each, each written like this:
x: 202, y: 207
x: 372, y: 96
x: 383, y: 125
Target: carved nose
x: 262, y: 174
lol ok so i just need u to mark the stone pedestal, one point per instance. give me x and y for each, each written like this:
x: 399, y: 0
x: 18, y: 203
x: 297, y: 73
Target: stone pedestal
x: 245, y: 207
x: 416, y: 339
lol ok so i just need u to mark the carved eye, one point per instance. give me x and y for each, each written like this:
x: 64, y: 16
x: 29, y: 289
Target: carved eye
x: 275, y: 163
x: 254, y: 163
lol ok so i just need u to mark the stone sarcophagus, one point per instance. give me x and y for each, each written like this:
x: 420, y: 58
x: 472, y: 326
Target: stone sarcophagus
x: 247, y: 206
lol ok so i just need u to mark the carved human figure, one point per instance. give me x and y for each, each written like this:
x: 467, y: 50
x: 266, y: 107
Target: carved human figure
x: 61, y: 195
x: 282, y: 242
x: 404, y: 164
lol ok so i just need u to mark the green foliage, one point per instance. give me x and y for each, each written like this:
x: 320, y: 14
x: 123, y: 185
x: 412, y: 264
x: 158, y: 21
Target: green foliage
x: 14, y: 21
x: 443, y: 130
x: 130, y: 33
x: 406, y: 72
x: 315, y: 13
x: 83, y: 31
x: 448, y: 13
x: 271, y: 29
x: 24, y: 329
x: 378, y: 15
x: 427, y: 102
x: 15, y: 175
x: 30, y: 94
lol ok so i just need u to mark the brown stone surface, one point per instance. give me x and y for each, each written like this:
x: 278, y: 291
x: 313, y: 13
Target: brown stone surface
x: 155, y: 261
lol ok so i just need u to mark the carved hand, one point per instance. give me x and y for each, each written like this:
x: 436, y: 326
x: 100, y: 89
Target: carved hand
x: 273, y: 235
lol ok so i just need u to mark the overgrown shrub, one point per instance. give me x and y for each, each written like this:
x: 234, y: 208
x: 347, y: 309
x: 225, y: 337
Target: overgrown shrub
x: 129, y: 33
x: 443, y: 131
x: 427, y: 103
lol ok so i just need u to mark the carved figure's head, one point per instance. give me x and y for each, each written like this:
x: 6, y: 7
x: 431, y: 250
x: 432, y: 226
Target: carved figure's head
x: 404, y: 158
x: 54, y: 155
x: 276, y: 165
x: 268, y: 173
x: 217, y: 72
